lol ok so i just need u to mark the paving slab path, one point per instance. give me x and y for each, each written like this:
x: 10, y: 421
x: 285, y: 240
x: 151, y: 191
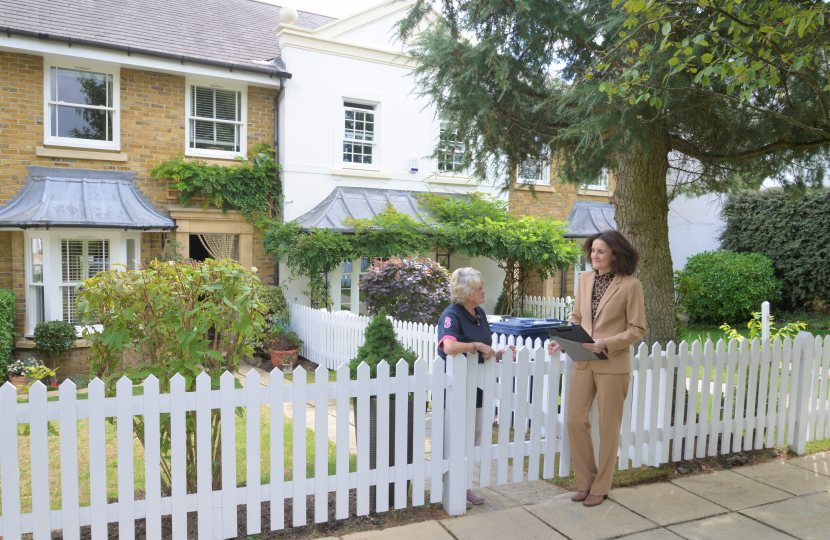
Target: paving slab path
x: 777, y: 500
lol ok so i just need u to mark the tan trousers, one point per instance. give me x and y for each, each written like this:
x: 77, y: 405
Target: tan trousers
x: 610, y: 391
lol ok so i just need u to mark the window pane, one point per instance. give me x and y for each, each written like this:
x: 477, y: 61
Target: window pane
x: 36, y: 293
x: 131, y: 263
x: 226, y: 105
x: 214, y: 136
x: 81, y: 123
x: 365, y: 263
x: 347, y: 267
x: 216, y: 103
x: 82, y: 87
x: 203, y: 102
x: 70, y: 305
x: 109, y: 91
x: 72, y: 252
x: 37, y: 260
x: 98, y: 257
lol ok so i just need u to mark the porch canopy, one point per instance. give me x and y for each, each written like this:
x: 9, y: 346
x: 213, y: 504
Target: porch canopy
x: 587, y: 218
x: 360, y: 203
x: 59, y: 197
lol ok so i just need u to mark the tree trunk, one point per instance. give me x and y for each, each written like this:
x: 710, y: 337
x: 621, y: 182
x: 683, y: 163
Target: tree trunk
x: 641, y: 204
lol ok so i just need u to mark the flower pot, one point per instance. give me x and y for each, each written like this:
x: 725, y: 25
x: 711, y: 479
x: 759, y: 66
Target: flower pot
x: 278, y: 358
x: 18, y: 382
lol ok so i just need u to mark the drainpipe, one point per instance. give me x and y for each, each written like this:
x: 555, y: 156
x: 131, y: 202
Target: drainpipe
x: 277, y: 161
x: 562, y: 293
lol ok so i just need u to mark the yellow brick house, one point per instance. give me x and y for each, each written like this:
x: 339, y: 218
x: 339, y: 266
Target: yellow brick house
x: 92, y: 96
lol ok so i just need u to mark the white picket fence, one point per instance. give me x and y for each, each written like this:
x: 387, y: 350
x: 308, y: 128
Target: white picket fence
x: 548, y: 307
x: 331, y: 339
x: 788, y: 381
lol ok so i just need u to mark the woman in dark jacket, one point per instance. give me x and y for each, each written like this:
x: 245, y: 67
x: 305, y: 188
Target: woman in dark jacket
x: 463, y: 329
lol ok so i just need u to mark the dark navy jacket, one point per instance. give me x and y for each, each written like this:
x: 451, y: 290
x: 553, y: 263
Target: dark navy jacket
x: 456, y: 322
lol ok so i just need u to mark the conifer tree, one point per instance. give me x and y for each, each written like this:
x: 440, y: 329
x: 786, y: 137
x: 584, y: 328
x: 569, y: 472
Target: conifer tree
x: 381, y: 343
x: 528, y: 81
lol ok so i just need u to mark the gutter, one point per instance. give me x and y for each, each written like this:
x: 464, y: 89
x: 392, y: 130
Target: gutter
x: 147, y: 52
x: 47, y: 225
x: 277, y: 161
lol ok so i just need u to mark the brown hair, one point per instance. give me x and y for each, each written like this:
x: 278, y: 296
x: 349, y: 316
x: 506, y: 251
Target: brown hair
x: 625, y: 256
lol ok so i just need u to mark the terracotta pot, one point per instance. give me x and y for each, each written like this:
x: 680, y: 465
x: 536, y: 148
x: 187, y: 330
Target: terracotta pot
x: 19, y: 382
x: 278, y: 358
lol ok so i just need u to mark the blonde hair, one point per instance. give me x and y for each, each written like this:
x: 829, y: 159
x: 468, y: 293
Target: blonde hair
x: 464, y: 282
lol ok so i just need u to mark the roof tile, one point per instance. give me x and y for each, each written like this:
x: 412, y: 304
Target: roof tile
x: 234, y: 31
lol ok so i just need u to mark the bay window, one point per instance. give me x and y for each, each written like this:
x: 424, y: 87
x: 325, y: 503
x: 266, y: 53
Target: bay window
x: 57, y: 261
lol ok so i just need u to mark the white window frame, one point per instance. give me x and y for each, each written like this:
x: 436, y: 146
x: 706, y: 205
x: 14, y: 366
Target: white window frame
x: 52, y: 265
x: 374, y: 143
x: 338, y: 126
x: 544, y: 176
x: 354, y: 290
x: 462, y: 172
x: 85, y: 65
x: 602, y: 184
x: 243, y: 123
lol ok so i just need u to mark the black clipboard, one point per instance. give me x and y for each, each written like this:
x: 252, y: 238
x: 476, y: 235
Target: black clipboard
x: 571, y: 338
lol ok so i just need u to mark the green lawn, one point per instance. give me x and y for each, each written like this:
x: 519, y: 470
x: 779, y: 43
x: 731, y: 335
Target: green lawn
x: 138, y: 459
x: 702, y: 333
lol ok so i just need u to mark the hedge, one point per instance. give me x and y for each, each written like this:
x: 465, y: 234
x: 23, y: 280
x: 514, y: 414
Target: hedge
x: 7, y: 310
x: 793, y: 231
x: 717, y: 287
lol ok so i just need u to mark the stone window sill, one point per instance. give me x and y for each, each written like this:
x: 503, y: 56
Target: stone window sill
x: 30, y: 344
x: 94, y: 155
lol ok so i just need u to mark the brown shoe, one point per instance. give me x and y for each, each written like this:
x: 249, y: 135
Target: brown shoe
x: 580, y: 496
x: 594, y: 500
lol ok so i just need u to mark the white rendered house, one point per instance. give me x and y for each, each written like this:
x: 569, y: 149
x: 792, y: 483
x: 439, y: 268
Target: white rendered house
x: 353, y: 136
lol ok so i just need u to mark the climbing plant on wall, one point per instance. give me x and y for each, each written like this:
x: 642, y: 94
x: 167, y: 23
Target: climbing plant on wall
x: 474, y: 226
x: 250, y: 186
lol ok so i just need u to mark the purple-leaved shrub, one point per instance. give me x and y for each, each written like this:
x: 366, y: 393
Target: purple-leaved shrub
x: 415, y: 290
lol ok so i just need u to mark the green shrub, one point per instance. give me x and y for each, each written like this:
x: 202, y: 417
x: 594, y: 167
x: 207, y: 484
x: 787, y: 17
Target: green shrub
x: 793, y: 231
x: 381, y: 344
x: 6, y: 329
x: 172, y: 319
x: 276, y: 313
x: 717, y: 287
x: 54, y: 337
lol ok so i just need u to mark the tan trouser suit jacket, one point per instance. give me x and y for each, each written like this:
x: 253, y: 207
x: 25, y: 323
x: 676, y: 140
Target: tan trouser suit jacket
x: 620, y: 321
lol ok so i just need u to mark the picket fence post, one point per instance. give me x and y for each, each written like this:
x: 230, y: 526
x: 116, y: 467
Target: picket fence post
x: 454, y: 496
x: 803, y: 350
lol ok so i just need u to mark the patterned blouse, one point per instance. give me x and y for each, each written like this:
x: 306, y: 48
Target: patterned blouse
x: 601, y: 283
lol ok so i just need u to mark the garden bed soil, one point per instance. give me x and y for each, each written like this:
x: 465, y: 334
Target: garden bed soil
x: 332, y: 527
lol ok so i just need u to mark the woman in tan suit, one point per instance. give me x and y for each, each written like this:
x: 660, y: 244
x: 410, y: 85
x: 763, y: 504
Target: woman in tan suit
x: 609, y: 306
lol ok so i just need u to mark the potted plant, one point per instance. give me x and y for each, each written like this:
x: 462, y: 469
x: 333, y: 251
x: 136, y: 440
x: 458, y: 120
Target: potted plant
x: 284, y: 346
x: 22, y: 373
x: 17, y: 371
